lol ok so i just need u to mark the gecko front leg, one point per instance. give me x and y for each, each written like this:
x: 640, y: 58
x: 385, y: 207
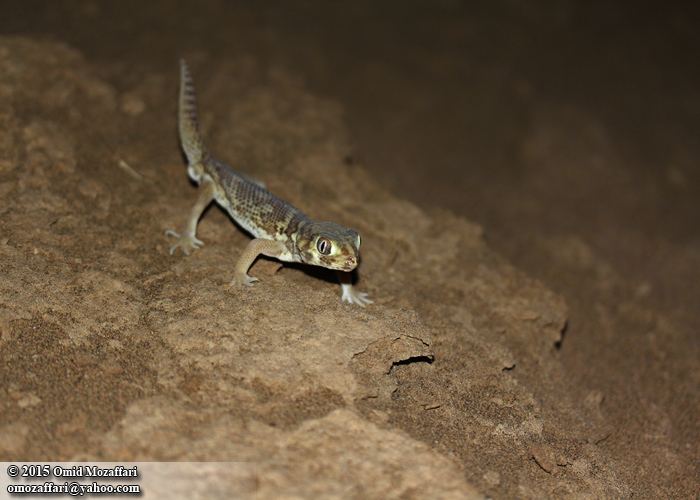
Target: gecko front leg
x: 256, y: 247
x: 350, y: 294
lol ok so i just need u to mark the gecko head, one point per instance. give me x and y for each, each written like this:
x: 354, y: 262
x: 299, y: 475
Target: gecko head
x: 328, y: 245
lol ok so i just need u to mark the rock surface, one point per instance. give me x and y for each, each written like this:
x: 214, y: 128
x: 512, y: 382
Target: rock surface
x: 449, y: 386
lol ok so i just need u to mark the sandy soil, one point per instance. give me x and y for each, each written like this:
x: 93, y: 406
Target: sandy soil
x: 525, y: 180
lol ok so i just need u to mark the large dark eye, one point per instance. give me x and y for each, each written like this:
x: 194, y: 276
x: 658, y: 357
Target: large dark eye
x: 323, y: 246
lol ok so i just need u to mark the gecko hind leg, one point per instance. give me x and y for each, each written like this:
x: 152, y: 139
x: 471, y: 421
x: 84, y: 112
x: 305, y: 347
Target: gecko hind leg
x: 188, y: 238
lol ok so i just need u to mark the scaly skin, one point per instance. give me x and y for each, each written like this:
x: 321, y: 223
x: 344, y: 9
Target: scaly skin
x: 281, y: 230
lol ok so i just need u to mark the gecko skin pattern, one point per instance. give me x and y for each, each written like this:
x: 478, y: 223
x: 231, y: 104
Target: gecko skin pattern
x: 281, y: 230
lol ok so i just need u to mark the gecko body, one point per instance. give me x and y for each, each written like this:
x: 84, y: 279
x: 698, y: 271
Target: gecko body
x: 280, y: 230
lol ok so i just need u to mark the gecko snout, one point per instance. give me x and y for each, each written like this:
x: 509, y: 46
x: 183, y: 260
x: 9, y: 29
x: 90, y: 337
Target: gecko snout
x: 350, y: 263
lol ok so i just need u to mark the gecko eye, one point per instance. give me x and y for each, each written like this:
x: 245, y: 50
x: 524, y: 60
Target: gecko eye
x: 323, y: 246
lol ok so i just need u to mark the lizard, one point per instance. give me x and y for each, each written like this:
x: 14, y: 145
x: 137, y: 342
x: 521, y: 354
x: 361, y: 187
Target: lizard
x: 280, y: 230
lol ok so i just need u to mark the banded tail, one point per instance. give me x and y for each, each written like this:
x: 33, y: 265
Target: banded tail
x: 190, y: 137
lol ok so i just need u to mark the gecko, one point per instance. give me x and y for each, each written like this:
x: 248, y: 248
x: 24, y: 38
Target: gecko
x: 280, y: 230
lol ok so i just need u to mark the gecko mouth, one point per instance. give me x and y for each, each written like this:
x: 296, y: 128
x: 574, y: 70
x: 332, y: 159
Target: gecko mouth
x: 350, y: 263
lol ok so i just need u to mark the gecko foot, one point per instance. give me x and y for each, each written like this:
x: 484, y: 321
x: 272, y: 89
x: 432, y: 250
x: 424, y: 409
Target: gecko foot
x: 186, y: 240
x: 354, y: 297
x: 239, y: 280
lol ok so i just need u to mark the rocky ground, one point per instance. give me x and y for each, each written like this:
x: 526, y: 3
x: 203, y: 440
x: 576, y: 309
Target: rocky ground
x: 525, y: 182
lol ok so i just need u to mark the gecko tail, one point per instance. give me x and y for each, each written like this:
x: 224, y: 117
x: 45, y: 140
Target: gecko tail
x: 190, y: 137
